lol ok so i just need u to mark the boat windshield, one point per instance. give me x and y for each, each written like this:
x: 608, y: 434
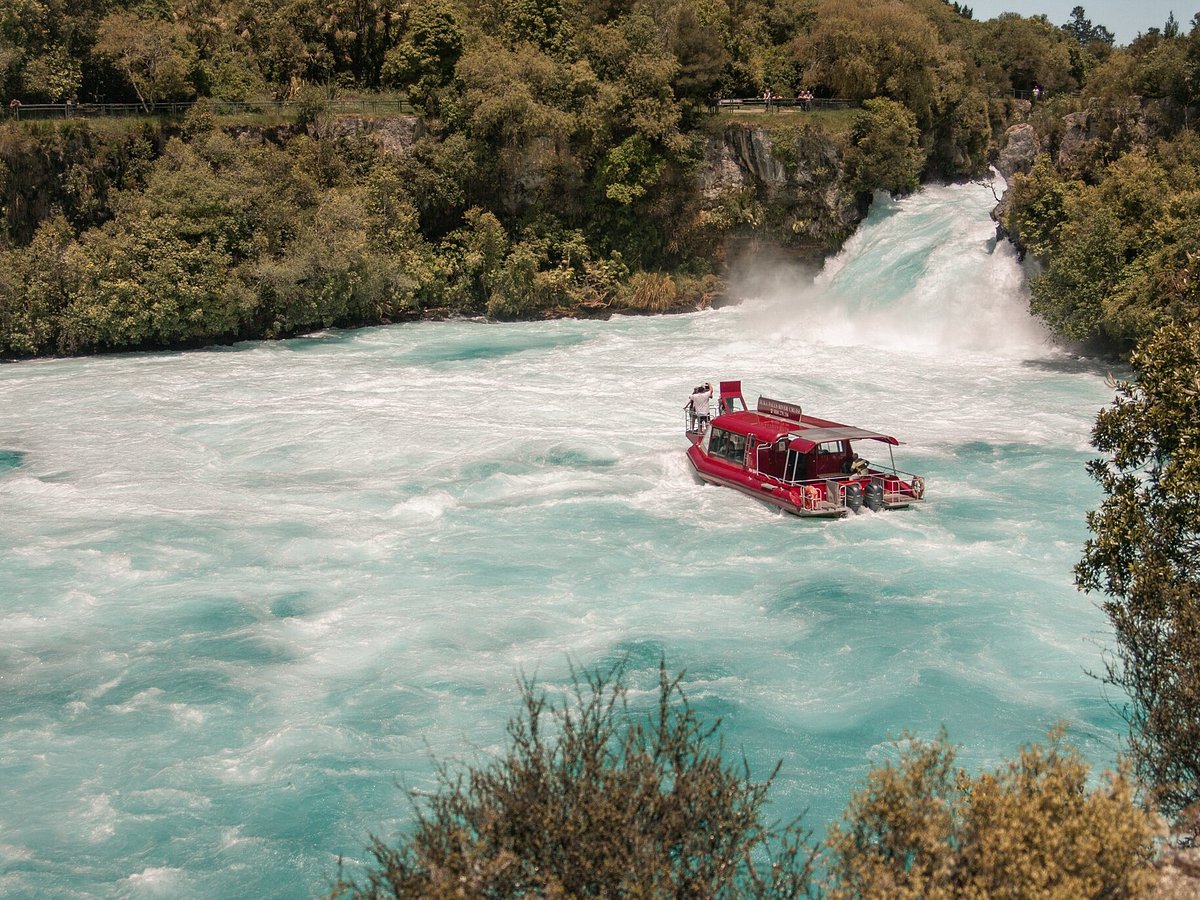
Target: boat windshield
x: 727, y: 445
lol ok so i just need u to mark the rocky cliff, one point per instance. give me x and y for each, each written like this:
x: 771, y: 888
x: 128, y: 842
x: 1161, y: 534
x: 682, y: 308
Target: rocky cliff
x: 784, y: 188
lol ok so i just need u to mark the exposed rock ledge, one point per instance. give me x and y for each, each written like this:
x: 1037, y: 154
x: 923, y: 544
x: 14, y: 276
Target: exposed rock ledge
x: 785, y: 187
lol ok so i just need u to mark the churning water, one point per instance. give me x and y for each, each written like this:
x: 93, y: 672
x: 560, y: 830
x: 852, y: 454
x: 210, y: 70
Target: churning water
x: 246, y: 592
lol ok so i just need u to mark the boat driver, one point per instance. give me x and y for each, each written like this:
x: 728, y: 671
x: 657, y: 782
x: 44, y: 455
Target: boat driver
x: 856, y: 465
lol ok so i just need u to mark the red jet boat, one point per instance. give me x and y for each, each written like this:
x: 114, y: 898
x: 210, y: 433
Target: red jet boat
x: 804, y: 465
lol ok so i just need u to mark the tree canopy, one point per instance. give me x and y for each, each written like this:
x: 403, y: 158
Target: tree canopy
x: 1144, y: 555
x: 578, y: 131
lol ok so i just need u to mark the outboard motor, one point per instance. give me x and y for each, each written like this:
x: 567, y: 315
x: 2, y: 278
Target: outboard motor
x: 873, y: 496
x: 854, y: 497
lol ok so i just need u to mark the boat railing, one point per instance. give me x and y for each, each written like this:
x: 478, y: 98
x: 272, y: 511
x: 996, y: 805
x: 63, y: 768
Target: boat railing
x: 827, y: 492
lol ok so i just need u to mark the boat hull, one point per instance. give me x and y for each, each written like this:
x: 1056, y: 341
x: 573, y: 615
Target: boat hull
x: 714, y: 472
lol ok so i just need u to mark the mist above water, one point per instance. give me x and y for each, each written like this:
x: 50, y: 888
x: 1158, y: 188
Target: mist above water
x: 248, y: 590
x: 922, y: 274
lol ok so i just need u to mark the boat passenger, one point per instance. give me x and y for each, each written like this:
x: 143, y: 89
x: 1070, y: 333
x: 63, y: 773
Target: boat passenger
x: 700, y: 410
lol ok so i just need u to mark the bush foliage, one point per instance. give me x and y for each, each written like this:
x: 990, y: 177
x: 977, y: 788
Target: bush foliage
x: 593, y: 799
x: 1112, y: 208
x: 922, y: 828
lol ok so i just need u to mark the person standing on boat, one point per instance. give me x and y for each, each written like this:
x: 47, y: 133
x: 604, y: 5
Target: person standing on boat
x: 701, y: 397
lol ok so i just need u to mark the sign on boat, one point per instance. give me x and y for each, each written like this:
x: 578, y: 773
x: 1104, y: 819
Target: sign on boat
x: 804, y: 465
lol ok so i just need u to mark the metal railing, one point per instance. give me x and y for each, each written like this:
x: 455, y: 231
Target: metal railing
x: 733, y: 103
x: 829, y: 491
x: 175, y: 109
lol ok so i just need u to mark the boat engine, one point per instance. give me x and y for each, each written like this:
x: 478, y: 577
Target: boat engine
x: 854, y: 497
x: 873, y: 496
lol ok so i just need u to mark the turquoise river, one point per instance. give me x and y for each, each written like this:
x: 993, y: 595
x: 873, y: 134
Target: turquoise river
x: 249, y: 595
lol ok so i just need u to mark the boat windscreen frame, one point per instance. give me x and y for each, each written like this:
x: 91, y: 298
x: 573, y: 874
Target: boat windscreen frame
x: 805, y: 441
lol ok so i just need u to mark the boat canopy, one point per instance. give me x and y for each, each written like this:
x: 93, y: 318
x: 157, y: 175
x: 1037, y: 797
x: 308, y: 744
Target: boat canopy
x: 768, y: 429
x: 806, y: 440
x: 763, y: 428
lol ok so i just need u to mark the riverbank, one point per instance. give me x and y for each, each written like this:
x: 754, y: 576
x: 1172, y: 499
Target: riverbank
x: 140, y: 235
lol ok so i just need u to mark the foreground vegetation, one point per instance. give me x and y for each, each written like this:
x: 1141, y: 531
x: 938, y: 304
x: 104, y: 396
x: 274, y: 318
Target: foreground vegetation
x: 594, y: 798
x: 1144, y: 556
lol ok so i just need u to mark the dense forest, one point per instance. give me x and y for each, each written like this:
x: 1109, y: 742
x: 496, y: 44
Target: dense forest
x: 553, y: 162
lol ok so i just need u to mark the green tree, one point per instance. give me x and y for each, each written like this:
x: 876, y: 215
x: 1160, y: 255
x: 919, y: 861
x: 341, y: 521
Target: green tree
x: 34, y: 290
x: 592, y: 799
x: 1144, y: 555
x: 1030, y: 51
x: 1037, y: 207
x: 425, y: 57
x: 141, y: 285
x: 286, y: 39
x: 629, y: 170
x: 1080, y: 27
x: 341, y: 267
x: 359, y: 34
x: 1119, y: 254
x: 52, y: 75
x: 701, y: 54
x: 1082, y: 273
x: 885, y: 154
x: 154, y: 56
x: 476, y: 254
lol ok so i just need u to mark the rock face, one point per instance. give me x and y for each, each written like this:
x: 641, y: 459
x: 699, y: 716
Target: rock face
x: 1021, y: 147
x: 742, y: 158
x: 1020, y: 150
x: 1090, y: 136
x: 1179, y: 874
x: 1075, y: 145
x: 391, y: 134
x: 784, y: 187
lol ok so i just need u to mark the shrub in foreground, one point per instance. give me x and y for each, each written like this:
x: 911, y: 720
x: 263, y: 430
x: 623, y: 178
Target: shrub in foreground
x: 924, y: 828
x: 593, y: 799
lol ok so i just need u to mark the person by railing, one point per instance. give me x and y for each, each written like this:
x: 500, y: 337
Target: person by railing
x: 14, y: 108
x: 804, y: 101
